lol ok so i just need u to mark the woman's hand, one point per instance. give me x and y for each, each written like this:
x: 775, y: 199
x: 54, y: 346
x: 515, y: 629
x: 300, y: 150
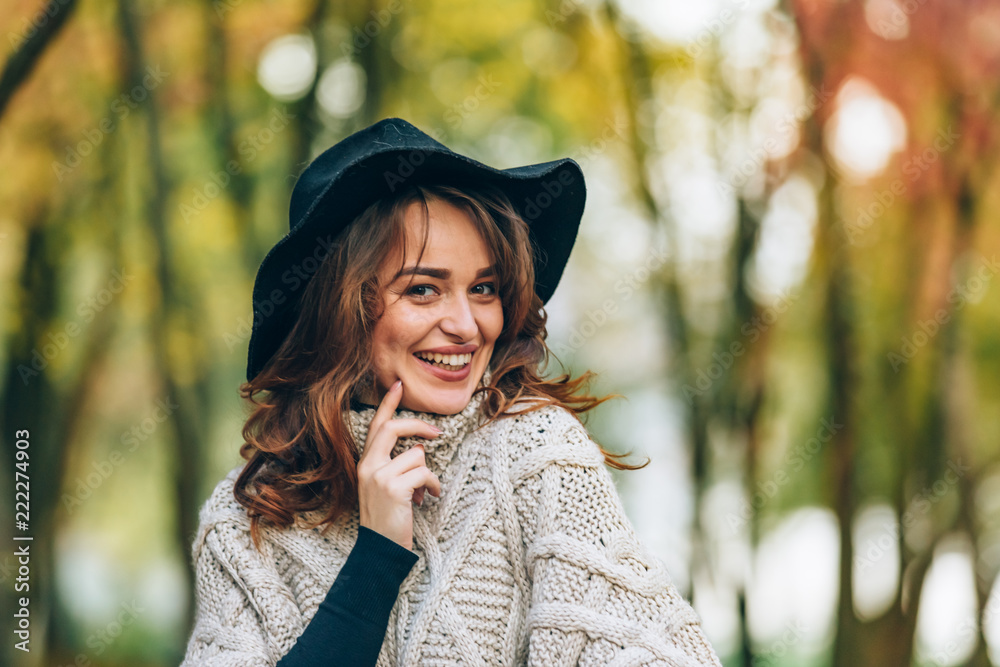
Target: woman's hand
x: 387, y: 486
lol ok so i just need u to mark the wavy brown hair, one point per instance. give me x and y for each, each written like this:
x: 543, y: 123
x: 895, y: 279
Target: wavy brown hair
x: 299, y: 449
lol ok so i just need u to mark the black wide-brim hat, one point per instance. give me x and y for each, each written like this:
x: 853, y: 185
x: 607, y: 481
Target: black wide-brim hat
x: 374, y: 163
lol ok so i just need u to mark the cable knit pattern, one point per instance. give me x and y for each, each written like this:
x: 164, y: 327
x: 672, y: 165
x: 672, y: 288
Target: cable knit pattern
x: 527, y: 558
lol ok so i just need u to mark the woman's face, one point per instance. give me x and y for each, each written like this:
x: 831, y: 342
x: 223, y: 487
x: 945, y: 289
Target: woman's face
x: 441, y: 317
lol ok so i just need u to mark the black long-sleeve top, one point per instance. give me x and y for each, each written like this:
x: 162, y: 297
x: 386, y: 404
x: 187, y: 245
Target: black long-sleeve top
x: 350, y: 624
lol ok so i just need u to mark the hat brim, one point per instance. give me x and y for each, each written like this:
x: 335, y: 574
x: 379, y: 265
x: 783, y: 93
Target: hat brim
x: 550, y: 196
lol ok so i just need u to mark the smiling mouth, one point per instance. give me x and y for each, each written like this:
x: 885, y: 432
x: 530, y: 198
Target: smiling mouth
x: 448, y: 362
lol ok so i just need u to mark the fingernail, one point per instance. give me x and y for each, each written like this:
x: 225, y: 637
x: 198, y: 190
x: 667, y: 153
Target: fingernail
x: 396, y: 384
x: 436, y: 429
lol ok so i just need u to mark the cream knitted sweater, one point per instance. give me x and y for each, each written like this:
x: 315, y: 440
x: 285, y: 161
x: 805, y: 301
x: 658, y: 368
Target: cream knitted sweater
x: 526, y: 558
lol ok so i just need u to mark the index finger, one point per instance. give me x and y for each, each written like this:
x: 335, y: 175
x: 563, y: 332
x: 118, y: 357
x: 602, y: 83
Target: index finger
x: 383, y: 414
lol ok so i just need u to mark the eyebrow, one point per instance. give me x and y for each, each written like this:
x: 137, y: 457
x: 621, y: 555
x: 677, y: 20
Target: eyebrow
x: 440, y: 274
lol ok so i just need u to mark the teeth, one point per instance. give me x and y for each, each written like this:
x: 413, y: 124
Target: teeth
x: 446, y: 359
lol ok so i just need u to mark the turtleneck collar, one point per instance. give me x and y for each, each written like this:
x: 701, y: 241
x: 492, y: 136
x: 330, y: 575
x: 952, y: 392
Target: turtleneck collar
x: 438, y: 451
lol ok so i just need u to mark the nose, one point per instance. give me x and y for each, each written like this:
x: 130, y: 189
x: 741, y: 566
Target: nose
x: 459, y: 320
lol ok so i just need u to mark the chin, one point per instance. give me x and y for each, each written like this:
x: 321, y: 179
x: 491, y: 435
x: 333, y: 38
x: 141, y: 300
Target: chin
x: 442, y: 402
x: 435, y: 396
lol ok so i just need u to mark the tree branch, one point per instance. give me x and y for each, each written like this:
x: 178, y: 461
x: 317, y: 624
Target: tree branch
x: 45, y: 25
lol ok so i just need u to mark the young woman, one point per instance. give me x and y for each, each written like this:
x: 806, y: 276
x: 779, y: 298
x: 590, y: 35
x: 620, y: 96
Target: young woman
x: 414, y: 491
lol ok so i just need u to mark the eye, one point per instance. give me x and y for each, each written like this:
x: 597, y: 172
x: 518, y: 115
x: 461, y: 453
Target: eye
x: 490, y: 289
x: 418, y: 291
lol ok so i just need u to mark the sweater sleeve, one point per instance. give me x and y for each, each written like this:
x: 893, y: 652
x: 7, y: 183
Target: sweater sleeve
x: 229, y: 625
x: 597, y: 596
x: 246, y: 619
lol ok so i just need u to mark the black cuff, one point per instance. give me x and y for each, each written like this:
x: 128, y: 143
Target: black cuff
x: 369, y: 582
x: 350, y: 624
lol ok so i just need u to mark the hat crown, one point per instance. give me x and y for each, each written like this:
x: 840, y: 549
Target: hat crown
x: 389, y: 135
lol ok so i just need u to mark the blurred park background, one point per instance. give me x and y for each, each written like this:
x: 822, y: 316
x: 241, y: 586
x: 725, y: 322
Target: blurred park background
x: 788, y: 266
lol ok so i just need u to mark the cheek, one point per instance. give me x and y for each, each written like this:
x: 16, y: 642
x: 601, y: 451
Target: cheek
x: 492, y: 323
x: 396, y: 332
